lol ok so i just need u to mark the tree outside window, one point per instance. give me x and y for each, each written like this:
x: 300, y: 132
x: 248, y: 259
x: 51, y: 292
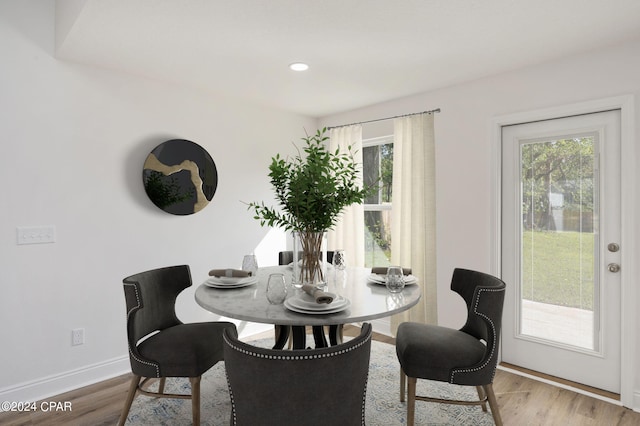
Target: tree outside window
x: 377, y: 157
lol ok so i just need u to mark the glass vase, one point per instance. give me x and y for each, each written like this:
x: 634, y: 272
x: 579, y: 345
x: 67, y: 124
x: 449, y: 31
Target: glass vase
x: 309, y: 258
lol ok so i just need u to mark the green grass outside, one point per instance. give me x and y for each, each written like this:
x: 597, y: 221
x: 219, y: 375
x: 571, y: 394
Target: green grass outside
x: 557, y: 268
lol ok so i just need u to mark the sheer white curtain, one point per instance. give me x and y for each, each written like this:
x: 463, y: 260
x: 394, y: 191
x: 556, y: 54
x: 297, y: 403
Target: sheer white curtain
x: 413, y: 233
x: 349, y: 231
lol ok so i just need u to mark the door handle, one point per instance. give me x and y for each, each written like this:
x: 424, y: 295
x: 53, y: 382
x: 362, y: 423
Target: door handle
x: 613, y: 247
x: 613, y: 267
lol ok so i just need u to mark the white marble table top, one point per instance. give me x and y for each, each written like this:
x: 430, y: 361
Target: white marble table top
x: 368, y: 301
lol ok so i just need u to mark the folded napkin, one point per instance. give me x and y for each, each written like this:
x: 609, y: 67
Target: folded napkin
x: 382, y: 270
x: 229, y: 273
x: 316, y: 293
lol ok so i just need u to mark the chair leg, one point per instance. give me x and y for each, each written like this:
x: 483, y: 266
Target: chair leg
x: 403, y: 380
x: 482, y: 397
x: 411, y: 401
x: 161, y: 385
x: 195, y: 399
x: 493, y: 403
x: 133, y: 388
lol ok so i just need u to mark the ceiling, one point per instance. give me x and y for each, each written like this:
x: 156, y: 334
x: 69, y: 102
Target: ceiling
x: 360, y: 52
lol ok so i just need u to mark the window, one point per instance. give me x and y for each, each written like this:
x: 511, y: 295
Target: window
x: 377, y: 159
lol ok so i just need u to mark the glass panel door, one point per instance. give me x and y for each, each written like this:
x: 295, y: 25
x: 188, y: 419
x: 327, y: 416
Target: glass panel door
x: 559, y: 196
x: 560, y: 219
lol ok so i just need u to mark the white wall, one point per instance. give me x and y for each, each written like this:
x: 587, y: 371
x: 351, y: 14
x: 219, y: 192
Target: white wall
x: 74, y: 140
x: 464, y: 148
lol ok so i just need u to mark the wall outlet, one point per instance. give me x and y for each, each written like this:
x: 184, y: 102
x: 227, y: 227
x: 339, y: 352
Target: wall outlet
x: 36, y: 234
x: 77, y: 336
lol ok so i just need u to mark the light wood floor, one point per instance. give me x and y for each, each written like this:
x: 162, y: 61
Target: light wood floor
x: 522, y: 401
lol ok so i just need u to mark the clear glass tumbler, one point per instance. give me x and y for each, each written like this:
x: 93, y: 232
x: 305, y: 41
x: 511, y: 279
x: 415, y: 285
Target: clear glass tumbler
x: 339, y: 260
x: 395, y: 279
x: 276, y: 289
x: 250, y: 264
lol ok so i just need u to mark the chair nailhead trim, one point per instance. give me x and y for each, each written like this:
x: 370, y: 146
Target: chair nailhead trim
x: 301, y: 357
x: 364, y: 399
x: 493, y: 327
x: 132, y: 310
x: 234, y: 418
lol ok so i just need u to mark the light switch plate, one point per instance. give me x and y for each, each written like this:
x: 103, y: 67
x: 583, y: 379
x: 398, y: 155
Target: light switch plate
x: 36, y: 234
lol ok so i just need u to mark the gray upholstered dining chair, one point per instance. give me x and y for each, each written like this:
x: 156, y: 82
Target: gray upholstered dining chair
x: 304, y: 388
x: 160, y: 345
x: 463, y: 357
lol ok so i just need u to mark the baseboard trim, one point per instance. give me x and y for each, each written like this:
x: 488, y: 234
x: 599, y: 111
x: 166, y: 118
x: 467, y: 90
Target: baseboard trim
x: 560, y: 385
x: 56, y: 384
x: 636, y: 401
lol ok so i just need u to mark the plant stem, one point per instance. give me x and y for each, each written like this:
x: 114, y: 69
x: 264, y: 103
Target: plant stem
x: 311, y: 267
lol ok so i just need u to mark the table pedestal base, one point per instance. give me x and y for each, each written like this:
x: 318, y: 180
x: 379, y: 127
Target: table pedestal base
x: 298, y: 335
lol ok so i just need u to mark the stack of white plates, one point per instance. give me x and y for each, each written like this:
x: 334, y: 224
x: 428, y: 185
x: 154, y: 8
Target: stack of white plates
x: 305, y: 304
x: 230, y: 282
x: 382, y: 279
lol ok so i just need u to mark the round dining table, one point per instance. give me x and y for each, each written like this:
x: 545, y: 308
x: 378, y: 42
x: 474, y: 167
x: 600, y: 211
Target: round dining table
x: 368, y: 300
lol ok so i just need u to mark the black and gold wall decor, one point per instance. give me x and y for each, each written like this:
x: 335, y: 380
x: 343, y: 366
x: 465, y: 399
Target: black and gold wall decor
x: 180, y: 177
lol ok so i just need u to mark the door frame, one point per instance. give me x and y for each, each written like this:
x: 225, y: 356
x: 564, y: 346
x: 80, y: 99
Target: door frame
x: 629, y: 295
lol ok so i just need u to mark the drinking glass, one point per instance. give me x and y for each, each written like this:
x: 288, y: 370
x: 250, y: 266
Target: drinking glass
x: 395, y: 279
x: 339, y: 260
x: 276, y: 289
x: 250, y: 264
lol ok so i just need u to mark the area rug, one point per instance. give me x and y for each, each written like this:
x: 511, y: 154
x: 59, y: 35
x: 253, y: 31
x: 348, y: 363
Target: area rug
x: 383, y: 406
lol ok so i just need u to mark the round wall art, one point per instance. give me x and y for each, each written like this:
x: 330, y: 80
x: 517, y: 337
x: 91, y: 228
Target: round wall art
x: 180, y: 177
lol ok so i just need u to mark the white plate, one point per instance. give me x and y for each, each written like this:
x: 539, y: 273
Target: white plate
x: 230, y: 280
x: 307, y: 298
x: 229, y: 286
x: 338, y: 302
x: 218, y: 283
x: 333, y: 310
x: 378, y: 279
x: 382, y: 279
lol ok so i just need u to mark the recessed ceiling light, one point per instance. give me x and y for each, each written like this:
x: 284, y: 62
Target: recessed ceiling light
x: 299, y: 66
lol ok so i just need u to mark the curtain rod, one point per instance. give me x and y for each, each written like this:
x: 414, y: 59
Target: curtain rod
x: 386, y: 118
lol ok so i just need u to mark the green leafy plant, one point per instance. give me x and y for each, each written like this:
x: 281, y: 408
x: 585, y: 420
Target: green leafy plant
x: 312, y: 190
